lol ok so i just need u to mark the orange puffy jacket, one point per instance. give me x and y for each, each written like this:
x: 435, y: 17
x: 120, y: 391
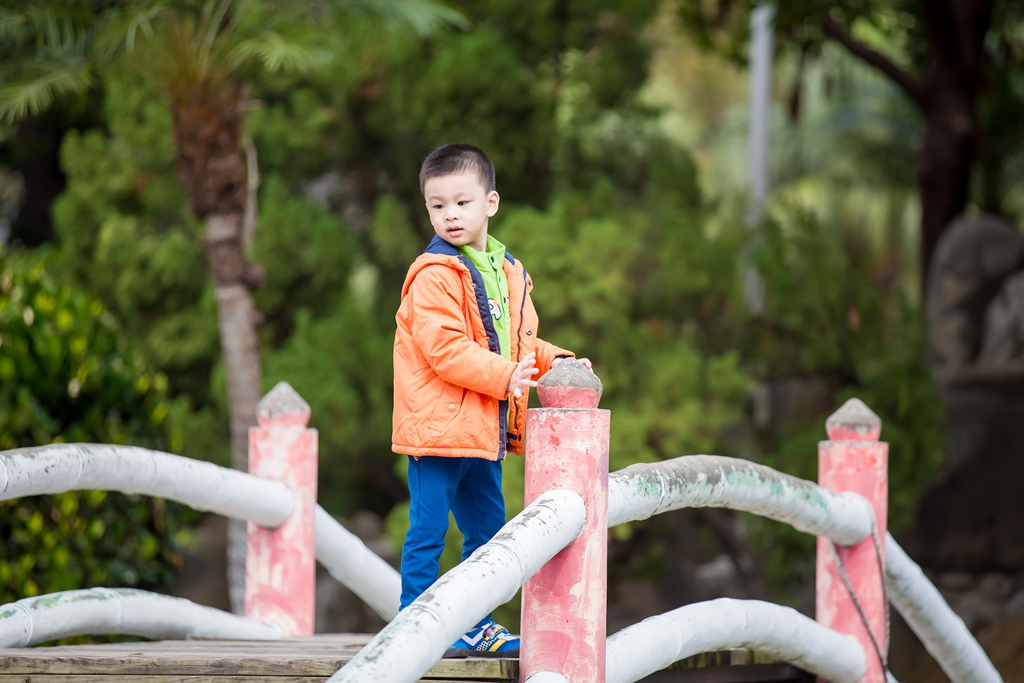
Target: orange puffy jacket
x: 451, y: 381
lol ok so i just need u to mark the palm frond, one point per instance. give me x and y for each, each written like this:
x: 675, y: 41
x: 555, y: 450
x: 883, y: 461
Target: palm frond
x: 424, y: 16
x: 53, y: 80
x: 275, y: 51
x: 124, y: 28
x: 211, y: 27
x: 45, y: 29
x: 13, y: 25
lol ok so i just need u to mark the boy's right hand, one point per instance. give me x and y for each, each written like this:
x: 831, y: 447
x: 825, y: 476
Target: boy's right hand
x: 521, y: 377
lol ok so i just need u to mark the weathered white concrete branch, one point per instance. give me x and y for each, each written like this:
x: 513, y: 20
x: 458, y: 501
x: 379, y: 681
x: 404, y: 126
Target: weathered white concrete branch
x: 357, y: 567
x: 942, y: 632
x: 723, y: 624
x: 202, y: 485
x: 644, y: 490
x: 98, y: 611
x: 417, y: 638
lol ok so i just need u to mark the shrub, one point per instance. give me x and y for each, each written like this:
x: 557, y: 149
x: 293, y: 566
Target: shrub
x: 68, y: 375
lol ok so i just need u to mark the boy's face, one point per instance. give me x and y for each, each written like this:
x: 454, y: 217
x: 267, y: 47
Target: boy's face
x: 459, y: 208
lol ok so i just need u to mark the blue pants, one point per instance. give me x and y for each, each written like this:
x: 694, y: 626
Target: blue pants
x: 468, y: 487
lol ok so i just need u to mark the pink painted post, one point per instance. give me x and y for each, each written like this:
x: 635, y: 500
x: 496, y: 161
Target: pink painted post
x: 564, y: 604
x: 853, y: 459
x: 280, y: 570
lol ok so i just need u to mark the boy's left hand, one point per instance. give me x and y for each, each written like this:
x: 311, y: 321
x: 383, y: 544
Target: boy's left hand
x: 522, y: 376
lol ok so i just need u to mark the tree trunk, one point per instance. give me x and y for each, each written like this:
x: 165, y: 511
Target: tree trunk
x: 948, y: 101
x: 236, y: 320
x: 211, y: 168
x: 947, y: 98
x: 944, y: 161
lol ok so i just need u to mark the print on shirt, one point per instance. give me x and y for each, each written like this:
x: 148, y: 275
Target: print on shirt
x: 495, y: 309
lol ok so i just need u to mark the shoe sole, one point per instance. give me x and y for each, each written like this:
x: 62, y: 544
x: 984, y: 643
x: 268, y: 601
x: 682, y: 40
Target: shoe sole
x: 464, y: 653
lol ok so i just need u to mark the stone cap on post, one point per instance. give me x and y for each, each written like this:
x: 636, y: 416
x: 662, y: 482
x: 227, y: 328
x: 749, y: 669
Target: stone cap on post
x: 570, y: 385
x: 282, y: 407
x: 854, y: 421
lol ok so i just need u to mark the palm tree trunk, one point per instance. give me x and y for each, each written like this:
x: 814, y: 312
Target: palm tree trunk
x: 236, y: 318
x: 211, y: 169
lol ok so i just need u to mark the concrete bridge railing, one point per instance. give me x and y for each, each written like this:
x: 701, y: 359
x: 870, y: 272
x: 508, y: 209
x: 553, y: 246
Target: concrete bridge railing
x: 554, y: 549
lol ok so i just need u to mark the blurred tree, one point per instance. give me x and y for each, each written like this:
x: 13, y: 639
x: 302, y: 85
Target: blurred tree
x: 125, y: 233
x: 527, y: 84
x: 939, y: 53
x: 859, y: 336
x: 198, y: 52
x: 68, y: 375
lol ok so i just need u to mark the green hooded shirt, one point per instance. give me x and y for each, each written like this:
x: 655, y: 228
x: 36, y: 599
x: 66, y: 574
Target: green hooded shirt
x: 489, y: 263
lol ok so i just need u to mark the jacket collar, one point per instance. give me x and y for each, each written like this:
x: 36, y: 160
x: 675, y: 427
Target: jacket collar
x: 439, y: 246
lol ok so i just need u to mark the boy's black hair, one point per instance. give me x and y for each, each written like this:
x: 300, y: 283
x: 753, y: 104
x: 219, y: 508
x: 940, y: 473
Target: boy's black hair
x: 456, y: 158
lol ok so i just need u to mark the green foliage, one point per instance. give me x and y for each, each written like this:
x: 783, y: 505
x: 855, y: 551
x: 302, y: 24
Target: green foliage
x: 999, y: 183
x: 67, y: 374
x: 524, y: 83
x: 43, y: 49
x: 907, y: 38
x: 308, y: 255
x: 725, y: 27
x: 835, y: 319
x: 630, y: 288
x: 341, y: 365
x: 868, y: 340
x: 126, y: 234
x: 54, y: 50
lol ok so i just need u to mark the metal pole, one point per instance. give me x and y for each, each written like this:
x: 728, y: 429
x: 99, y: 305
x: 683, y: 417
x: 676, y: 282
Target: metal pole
x: 761, y: 49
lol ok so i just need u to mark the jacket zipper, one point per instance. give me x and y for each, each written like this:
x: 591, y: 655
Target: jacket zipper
x: 480, y: 294
x: 519, y: 344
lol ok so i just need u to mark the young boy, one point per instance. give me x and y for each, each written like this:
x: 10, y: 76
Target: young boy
x: 466, y: 352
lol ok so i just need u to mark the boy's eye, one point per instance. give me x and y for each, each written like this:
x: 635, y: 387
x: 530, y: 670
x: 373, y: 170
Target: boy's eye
x: 464, y: 201
x: 437, y: 206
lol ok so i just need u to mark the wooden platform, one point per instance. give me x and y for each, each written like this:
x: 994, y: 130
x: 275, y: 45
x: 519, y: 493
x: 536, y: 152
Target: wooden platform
x: 309, y: 660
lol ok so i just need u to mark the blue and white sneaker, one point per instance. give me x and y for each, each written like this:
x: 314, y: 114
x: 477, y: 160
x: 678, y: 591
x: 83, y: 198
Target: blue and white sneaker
x: 490, y: 639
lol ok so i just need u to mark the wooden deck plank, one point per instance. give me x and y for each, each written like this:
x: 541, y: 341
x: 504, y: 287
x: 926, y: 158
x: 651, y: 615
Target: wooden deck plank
x: 154, y: 678
x: 316, y: 658
x: 136, y: 678
x: 310, y: 660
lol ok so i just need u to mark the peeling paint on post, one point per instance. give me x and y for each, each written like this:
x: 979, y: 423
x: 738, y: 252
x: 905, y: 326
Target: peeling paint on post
x: 853, y: 459
x: 564, y: 603
x: 280, y: 572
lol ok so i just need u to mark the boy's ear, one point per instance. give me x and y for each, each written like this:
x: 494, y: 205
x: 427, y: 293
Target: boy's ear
x: 492, y: 203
